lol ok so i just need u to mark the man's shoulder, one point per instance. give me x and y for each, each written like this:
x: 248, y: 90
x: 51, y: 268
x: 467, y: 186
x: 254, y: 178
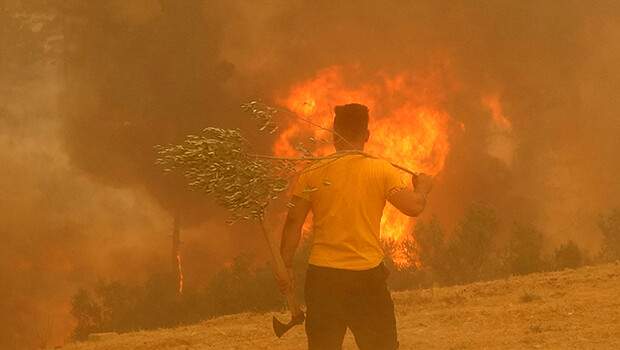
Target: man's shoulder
x: 379, y: 164
x: 354, y: 162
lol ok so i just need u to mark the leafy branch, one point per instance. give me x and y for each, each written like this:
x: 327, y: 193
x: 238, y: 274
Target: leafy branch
x: 220, y: 162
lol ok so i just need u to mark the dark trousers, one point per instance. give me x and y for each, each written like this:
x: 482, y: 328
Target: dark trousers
x: 337, y: 299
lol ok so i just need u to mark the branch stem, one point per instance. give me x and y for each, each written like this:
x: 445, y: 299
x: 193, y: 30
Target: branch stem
x: 332, y: 156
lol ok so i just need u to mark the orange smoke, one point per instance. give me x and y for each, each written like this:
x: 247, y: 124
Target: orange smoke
x: 407, y: 125
x: 492, y: 102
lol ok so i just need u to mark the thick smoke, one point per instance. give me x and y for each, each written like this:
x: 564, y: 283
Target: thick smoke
x: 88, y: 87
x: 551, y: 65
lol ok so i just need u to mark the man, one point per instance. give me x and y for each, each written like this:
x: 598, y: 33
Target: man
x: 346, y: 279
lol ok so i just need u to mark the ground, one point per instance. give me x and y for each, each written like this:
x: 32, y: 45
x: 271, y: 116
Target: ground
x: 571, y: 309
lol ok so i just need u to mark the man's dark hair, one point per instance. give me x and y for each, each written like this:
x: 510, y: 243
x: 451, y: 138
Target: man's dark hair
x: 351, y: 121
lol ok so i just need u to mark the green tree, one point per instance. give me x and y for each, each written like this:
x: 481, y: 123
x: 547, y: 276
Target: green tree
x: 118, y: 307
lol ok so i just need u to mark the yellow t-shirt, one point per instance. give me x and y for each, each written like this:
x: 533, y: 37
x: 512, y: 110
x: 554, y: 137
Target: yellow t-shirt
x: 347, y: 198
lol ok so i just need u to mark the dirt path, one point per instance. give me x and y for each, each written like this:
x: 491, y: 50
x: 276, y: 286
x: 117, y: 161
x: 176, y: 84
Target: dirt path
x: 573, y: 309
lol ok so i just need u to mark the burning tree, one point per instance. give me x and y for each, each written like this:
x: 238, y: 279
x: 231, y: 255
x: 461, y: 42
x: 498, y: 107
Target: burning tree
x: 408, y: 122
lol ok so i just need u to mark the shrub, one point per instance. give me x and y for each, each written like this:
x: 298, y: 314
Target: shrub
x: 528, y: 297
x: 610, y: 227
x: 568, y: 255
x: 471, y: 246
x: 155, y: 304
x: 118, y: 304
x: 431, y: 245
x: 117, y: 307
x: 467, y: 255
x: 524, y: 253
x: 238, y: 288
x: 87, y: 313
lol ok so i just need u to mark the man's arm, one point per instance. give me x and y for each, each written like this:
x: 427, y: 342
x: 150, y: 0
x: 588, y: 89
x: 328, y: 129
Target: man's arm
x: 290, y: 240
x: 293, y: 225
x: 412, y: 202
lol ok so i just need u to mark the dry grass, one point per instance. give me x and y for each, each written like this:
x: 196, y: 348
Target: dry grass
x: 573, y: 309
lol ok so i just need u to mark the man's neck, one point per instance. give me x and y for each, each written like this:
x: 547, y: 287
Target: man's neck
x: 350, y: 149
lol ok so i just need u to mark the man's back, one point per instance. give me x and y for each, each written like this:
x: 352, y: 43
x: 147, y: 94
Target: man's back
x: 346, y: 280
x: 347, y: 198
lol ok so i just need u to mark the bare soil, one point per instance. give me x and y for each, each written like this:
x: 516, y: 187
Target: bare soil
x: 571, y: 309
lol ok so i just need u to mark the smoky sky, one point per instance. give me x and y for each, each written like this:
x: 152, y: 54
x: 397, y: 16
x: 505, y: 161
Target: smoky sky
x: 88, y: 88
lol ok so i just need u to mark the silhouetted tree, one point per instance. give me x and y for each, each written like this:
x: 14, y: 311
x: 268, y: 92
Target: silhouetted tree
x: 87, y: 313
x: 431, y: 249
x: 159, y: 304
x: 524, y: 253
x: 238, y: 288
x: 118, y: 304
x: 471, y: 245
x: 568, y: 255
x: 610, y: 227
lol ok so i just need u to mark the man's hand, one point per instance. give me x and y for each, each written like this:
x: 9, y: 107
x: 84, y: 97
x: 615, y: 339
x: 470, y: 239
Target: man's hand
x: 286, y: 282
x: 422, y: 183
x: 412, y: 202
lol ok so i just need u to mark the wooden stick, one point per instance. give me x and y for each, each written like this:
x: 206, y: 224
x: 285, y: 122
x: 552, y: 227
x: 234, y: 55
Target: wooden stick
x: 332, y: 156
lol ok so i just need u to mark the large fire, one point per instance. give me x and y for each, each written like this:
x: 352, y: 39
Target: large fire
x: 407, y: 124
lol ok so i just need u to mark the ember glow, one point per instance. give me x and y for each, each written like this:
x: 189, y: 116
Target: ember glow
x: 180, y: 272
x: 407, y: 125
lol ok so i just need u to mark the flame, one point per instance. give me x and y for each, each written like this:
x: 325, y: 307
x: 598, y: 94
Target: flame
x: 407, y: 125
x: 180, y: 272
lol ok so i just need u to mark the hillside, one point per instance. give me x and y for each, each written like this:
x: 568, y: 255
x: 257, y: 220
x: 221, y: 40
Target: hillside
x: 572, y: 309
